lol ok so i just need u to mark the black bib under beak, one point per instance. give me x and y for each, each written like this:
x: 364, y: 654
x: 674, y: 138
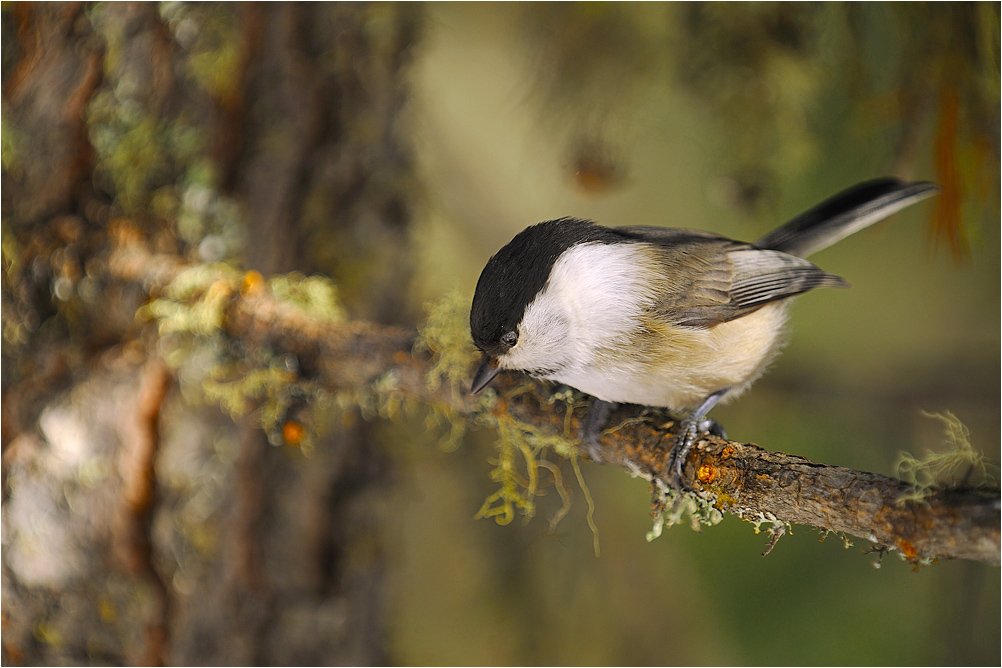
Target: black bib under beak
x: 485, y: 373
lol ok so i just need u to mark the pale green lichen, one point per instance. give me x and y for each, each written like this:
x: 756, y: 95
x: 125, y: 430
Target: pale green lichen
x: 195, y: 301
x: 767, y: 522
x: 961, y: 464
x: 670, y: 507
x: 521, y: 467
x: 846, y: 541
x: 316, y: 296
x: 446, y: 335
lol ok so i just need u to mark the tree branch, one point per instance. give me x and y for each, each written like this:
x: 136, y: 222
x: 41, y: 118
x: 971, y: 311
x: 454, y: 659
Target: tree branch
x: 739, y: 478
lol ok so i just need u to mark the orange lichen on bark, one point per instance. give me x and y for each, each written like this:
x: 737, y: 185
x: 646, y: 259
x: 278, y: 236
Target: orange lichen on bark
x: 253, y: 283
x: 906, y: 548
x: 293, y: 432
x: 707, y: 474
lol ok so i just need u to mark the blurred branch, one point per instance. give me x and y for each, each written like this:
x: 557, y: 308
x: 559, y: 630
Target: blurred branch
x: 743, y: 479
x: 131, y: 539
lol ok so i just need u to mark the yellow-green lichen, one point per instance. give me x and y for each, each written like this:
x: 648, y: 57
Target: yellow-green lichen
x: 960, y: 464
x: 446, y: 335
x: 238, y: 396
x: 139, y: 149
x: 195, y: 301
x: 521, y: 465
x: 518, y: 469
x: 316, y: 296
x: 215, y: 43
x: 139, y: 153
x: 266, y: 384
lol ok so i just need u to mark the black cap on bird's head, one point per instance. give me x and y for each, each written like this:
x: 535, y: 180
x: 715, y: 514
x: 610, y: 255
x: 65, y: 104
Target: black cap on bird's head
x: 512, y: 279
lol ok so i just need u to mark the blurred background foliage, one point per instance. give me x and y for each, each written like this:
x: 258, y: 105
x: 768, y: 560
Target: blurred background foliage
x: 394, y: 148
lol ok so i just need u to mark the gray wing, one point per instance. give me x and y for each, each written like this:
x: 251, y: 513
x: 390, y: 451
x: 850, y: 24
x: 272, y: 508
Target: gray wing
x: 709, y: 280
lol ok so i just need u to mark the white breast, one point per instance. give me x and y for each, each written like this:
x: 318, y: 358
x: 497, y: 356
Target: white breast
x: 591, y: 328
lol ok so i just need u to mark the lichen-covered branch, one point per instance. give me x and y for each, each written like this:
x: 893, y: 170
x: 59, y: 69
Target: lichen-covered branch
x: 742, y: 479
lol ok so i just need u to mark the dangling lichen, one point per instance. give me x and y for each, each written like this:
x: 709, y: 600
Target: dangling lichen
x: 445, y: 334
x: 294, y: 410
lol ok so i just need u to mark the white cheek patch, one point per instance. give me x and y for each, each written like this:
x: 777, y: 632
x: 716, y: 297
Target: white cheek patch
x: 606, y: 287
x: 542, y: 338
x: 593, y: 299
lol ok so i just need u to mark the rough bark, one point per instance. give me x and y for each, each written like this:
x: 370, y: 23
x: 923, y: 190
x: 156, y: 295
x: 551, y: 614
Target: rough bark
x: 215, y: 130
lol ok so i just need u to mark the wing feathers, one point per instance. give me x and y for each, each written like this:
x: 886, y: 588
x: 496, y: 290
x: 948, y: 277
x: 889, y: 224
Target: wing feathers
x: 708, y: 279
x: 762, y: 276
x: 712, y: 281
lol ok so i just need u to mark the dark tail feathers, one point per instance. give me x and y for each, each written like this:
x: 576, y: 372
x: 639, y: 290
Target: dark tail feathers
x: 844, y: 214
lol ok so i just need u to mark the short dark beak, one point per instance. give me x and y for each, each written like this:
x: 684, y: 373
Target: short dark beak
x: 485, y: 374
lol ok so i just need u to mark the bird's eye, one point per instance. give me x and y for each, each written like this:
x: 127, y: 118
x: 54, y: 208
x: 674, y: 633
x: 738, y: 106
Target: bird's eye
x: 510, y: 339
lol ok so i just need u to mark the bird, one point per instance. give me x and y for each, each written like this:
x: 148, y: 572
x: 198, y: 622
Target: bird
x: 672, y: 318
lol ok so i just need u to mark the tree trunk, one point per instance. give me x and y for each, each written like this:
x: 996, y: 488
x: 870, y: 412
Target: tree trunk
x: 139, y: 529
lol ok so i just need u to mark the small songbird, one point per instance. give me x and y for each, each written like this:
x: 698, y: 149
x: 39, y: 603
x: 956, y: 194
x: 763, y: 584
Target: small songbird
x: 673, y: 318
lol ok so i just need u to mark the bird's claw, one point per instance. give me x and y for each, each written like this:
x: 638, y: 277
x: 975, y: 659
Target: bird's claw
x: 689, y: 429
x: 684, y: 441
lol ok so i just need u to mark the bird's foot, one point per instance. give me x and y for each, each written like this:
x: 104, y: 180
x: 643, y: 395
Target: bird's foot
x: 689, y: 430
